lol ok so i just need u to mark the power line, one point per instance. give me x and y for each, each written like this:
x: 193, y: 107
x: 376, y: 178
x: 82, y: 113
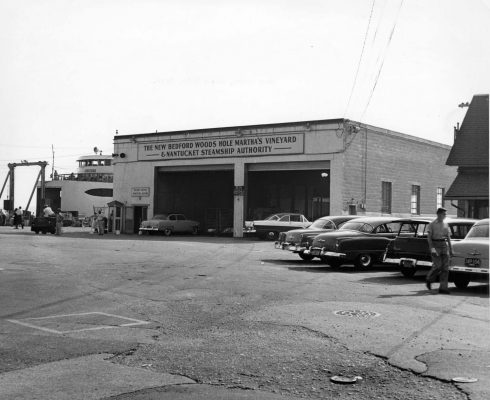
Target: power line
x: 360, y: 58
x: 382, y: 62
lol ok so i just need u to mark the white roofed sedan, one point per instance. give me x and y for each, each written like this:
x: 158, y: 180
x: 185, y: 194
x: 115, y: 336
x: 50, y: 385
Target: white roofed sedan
x: 270, y: 227
x: 470, y: 260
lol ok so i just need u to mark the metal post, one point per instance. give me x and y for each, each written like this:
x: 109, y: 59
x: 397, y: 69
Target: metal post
x: 43, y: 183
x: 12, y: 186
x: 5, y: 183
x: 33, y: 190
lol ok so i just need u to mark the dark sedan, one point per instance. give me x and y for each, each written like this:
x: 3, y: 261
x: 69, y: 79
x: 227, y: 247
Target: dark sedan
x: 361, y: 241
x: 296, y: 240
x: 410, y: 249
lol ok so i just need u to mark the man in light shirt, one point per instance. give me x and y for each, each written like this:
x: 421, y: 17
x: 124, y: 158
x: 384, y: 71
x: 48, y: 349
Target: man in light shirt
x: 47, y: 211
x: 439, y: 238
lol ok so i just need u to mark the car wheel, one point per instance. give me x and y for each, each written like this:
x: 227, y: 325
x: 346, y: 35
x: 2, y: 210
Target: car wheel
x: 44, y: 232
x: 272, y: 235
x: 334, y: 263
x: 364, y: 261
x: 306, y: 257
x: 195, y: 230
x: 461, y: 282
x: 167, y: 232
x: 408, y: 272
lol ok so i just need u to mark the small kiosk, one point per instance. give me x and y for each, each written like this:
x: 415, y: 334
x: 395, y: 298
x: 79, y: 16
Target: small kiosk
x: 115, y: 217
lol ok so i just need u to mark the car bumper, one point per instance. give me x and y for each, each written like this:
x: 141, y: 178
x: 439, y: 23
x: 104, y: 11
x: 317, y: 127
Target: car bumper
x: 289, y: 247
x: 318, y: 252
x: 148, y: 228
x: 471, y: 270
x: 413, y: 263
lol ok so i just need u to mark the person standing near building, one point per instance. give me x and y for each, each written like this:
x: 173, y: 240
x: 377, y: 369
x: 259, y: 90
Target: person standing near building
x: 19, y: 218
x: 47, y: 211
x: 59, y: 222
x: 439, y: 238
x: 100, y: 223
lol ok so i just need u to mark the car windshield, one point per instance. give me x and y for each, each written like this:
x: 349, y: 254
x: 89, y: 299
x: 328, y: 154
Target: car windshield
x: 478, y: 231
x: 319, y: 224
x: 160, y: 216
x: 272, y: 218
x: 357, y: 226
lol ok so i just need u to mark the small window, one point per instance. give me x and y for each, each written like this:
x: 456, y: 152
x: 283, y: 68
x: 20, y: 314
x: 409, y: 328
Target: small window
x: 440, y: 197
x: 285, y: 218
x: 329, y: 225
x: 459, y: 231
x: 172, y: 217
x: 415, y: 200
x: 386, y: 197
x: 295, y: 218
x: 180, y: 217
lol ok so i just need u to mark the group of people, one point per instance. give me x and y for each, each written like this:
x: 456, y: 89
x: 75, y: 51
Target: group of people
x: 48, y: 212
x: 18, y: 218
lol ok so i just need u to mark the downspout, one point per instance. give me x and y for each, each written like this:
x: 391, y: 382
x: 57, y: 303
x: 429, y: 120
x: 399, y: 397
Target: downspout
x: 459, y: 208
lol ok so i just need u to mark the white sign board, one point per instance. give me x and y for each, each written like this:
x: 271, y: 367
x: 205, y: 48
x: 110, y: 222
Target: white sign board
x: 140, y: 191
x: 222, y: 147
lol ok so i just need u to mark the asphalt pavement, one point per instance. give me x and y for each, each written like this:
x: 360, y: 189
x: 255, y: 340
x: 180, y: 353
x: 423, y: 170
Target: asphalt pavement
x: 84, y: 316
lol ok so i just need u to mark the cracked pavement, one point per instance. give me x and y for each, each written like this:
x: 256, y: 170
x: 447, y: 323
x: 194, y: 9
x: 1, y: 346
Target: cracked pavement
x: 231, y: 319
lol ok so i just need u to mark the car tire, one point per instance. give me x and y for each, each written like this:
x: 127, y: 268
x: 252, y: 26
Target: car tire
x: 44, y: 232
x: 167, y: 232
x: 364, y: 261
x: 461, y: 282
x: 306, y: 257
x: 334, y: 263
x: 408, y: 272
x: 272, y: 235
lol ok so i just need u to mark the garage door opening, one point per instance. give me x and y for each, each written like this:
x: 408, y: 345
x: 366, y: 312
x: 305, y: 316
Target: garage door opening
x: 203, y: 196
x: 306, y: 192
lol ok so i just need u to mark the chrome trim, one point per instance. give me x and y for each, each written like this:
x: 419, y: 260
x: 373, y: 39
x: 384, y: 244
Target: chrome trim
x: 332, y: 254
x: 469, y: 269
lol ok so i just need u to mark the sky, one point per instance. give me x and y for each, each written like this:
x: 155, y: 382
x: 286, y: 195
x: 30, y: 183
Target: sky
x: 72, y: 72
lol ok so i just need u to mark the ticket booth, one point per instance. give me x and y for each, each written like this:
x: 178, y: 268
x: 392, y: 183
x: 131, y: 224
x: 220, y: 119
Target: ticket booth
x: 115, y: 217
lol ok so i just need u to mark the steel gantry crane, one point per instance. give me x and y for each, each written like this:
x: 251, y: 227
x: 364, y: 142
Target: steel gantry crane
x: 11, y: 175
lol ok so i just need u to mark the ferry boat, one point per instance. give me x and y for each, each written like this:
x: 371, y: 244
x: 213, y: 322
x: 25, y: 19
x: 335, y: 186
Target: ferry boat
x: 84, y: 192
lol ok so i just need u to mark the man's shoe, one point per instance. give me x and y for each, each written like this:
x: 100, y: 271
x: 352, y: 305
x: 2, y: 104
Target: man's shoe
x: 442, y: 291
x: 427, y: 283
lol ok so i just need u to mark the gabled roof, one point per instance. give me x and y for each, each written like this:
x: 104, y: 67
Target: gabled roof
x: 470, y: 147
x: 471, y: 184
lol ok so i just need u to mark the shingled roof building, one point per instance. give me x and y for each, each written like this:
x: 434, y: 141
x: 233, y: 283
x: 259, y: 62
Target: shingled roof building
x: 470, y: 155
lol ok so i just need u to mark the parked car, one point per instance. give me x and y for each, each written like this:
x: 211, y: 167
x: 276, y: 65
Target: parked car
x: 44, y: 225
x: 270, y: 227
x: 410, y: 249
x: 296, y: 239
x: 470, y: 261
x: 362, y: 241
x: 168, y: 224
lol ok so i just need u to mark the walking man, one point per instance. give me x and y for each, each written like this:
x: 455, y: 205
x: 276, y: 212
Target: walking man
x: 439, y: 238
x: 59, y: 222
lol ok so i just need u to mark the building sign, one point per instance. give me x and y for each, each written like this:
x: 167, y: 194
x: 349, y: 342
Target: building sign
x: 140, y: 191
x: 222, y: 147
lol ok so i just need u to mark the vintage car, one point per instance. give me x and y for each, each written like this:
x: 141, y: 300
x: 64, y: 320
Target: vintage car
x: 361, y: 241
x: 410, y: 249
x: 168, y: 224
x: 296, y: 239
x: 44, y: 225
x: 470, y: 260
x: 270, y: 227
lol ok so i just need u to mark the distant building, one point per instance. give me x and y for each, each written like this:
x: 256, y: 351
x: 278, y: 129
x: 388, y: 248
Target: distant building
x: 223, y: 177
x: 470, y: 155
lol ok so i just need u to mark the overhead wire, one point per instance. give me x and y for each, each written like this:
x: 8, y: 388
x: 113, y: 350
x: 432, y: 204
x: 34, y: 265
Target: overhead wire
x: 360, y: 58
x: 385, y: 52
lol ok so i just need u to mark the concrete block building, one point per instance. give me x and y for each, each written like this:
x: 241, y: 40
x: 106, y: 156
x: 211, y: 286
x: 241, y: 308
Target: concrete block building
x: 223, y: 177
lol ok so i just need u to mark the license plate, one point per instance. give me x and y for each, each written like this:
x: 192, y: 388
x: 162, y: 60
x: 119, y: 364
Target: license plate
x: 408, y: 263
x: 315, y: 252
x: 472, y: 262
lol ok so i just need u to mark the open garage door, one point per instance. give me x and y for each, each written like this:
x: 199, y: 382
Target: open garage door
x: 205, y: 196
x: 290, y: 187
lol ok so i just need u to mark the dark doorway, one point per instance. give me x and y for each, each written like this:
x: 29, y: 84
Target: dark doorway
x: 203, y: 196
x: 140, y: 214
x: 306, y: 192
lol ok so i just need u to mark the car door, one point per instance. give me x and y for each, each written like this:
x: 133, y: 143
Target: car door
x: 183, y: 224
